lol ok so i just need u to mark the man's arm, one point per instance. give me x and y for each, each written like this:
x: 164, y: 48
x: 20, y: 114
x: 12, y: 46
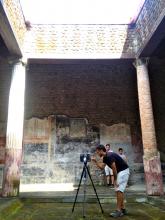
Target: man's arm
x: 125, y: 158
x: 113, y: 167
x: 100, y: 165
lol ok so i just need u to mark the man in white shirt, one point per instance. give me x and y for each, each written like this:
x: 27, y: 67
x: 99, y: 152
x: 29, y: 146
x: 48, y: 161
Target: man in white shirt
x: 122, y: 155
x: 108, y: 170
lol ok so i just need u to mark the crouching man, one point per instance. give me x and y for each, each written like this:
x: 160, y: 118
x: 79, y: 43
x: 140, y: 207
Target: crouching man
x: 120, y: 172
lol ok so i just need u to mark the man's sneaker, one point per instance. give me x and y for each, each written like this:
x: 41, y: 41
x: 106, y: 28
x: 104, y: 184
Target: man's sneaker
x: 116, y: 214
x: 124, y: 211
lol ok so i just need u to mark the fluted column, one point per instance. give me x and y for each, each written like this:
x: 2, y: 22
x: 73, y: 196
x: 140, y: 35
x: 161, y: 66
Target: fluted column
x: 151, y: 157
x: 14, y: 135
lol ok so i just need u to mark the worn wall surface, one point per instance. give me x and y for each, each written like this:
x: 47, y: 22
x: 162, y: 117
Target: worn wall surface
x: 120, y: 136
x: 53, y: 145
x: 52, y: 151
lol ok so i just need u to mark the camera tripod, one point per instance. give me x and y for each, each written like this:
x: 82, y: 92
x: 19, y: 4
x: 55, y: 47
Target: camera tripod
x: 84, y: 175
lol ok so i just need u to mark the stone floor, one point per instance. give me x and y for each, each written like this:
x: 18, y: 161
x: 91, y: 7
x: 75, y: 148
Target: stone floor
x: 58, y: 205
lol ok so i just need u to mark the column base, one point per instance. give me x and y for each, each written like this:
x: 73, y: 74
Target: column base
x: 153, y: 175
x: 11, y: 176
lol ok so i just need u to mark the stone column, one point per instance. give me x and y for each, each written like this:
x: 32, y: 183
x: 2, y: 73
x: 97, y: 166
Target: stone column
x: 151, y: 157
x: 14, y: 135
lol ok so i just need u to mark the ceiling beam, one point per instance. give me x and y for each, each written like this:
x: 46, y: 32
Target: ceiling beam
x: 154, y: 38
x: 7, y: 34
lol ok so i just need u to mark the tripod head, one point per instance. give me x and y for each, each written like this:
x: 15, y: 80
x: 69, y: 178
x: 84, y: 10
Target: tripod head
x: 86, y: 157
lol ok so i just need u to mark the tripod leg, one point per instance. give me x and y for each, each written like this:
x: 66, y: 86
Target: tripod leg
x: 78, y: 188
x: 94, y: 188
x: 85, y: 180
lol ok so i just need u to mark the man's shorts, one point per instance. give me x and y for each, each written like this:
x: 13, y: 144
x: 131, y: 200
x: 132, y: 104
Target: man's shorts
x: 122, y: 180
x: 108, y: 171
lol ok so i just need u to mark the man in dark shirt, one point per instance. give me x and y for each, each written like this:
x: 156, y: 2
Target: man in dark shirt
x: 120, y: 172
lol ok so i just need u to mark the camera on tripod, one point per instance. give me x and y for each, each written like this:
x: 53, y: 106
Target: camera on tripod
x: 85, y: 157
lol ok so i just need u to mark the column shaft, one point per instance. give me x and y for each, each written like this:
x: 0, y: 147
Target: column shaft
x: 14, y: 134
x: 151, y: 158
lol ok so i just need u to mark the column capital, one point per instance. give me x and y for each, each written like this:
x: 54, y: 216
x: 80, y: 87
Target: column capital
x: 16, y: 61
x: 141, y: 61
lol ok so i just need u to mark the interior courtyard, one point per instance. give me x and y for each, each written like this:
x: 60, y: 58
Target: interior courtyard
x: 72, y: 76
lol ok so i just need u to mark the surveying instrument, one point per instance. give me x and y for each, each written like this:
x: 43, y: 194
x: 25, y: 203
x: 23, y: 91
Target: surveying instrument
x: 85, y: 158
